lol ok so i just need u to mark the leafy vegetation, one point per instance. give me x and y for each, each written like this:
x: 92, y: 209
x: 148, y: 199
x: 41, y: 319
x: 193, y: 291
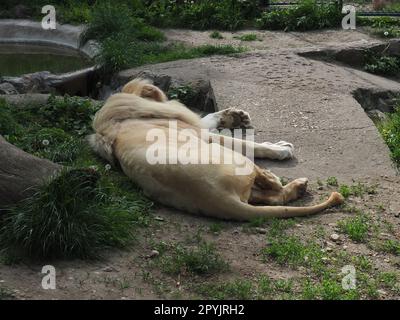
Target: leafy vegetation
x: 323, y: 268
x: 390, y: 131
x: 87, y: 207
x: 357, y: 190
x: 216, y: 35
x: 383, y: 65
x: 356, y: 227
x: 199, y: 14
x: 5, y: 294
x: 71, y: 216
x: 247, y: 37
x: 202, y: 14
x: 200, y: 260
x: 385, y: 27
x: 126, y: 41
x: 307, y: 15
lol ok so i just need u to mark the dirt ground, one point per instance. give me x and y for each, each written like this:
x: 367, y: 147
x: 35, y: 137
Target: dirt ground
x: 306, y: 102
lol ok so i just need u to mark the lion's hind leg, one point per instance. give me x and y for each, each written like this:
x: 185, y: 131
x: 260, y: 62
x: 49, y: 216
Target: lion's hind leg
x: 268, y: 189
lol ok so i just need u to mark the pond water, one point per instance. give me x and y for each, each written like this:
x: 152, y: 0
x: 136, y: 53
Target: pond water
x: 17, y: 59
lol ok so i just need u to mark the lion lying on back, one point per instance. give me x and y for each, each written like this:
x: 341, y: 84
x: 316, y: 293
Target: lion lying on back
x: 211, y: 188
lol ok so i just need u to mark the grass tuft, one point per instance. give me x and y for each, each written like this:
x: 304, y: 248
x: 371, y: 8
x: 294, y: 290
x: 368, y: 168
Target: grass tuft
x: 201, y: 260
x: 72, y: 216
x: 356, y: 228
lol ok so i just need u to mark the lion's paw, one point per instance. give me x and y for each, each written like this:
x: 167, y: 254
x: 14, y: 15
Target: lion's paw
x: 234, y: 119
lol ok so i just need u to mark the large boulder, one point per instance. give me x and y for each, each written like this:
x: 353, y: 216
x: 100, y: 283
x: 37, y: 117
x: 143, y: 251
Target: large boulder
x: 21, y: 172
x: 72, y: 83
x: 196, y: 93
x: 7, y: 88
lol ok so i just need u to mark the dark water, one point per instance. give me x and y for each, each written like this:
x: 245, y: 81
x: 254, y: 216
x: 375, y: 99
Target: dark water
x: 16, y: 60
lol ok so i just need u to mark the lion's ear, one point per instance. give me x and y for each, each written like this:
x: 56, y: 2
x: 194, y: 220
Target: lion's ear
x: 154, y: 93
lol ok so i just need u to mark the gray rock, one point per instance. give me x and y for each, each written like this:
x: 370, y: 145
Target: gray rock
x: 20, y: 172
x: 153, y: 254
x: 200, y: 95
x: 335, y: 237
x: 109, y: 269
x: 261, y: 230
x: 7, y: 88
x: 73, y: 83
x: 377, y: 115
x: 394, y: 48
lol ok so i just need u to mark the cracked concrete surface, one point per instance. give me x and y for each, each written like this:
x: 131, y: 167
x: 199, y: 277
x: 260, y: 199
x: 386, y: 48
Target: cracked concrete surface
x: 306, y: 102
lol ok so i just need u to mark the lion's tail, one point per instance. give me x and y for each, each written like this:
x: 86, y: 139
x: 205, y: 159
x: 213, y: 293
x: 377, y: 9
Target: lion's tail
x: 242, y: 211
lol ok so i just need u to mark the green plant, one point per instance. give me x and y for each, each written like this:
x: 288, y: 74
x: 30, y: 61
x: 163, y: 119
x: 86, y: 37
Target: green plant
x: 216, y: 227
x: 247, y: 37
x: 216, y: 35
x: 6, y: 294
x: 345, y: 191
x: 390, y: 131
x: 391, y: 246
x: 385, y: 65
x: 108, y: 20
x: 332, y: 181
x: 71, y: 216
x: 290, y: 250
x: 82, y: 210
x: 237, y: 289
x: 184, y: 94
x: 385, y: 27
x: 306, y: 15
x: 358, y: 190
x: 356, y: 228
x: 202, y: 14
x: 201, y: 260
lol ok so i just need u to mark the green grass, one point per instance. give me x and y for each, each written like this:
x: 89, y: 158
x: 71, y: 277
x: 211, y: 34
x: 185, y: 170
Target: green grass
x: 327, y: 289
x: 289, y: 250
x: 247, y: 37
x: 390, y: 131
x: 6, y: 294
x: 203, y: 259
x: 126, y: 41
x: 356, y: 228
x: 383, y: 65
x: 307, y: 15
x: 118, y: 53
x: 391, y: 246
x: 83, y: 210
x: 384, y: 27
x: 332, y: 181
x: 216, y: 227
x: 74, y: 215
x: 357, y: 190
x: 216, y: 35
x: 237, y: 289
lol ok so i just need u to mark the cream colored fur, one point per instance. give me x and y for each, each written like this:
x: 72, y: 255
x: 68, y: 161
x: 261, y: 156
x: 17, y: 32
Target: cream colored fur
x: 121, y: 127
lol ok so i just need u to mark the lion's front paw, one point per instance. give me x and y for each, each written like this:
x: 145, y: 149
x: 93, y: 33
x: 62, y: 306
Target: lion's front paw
x: 281, y: 150
x: 234, y: 119
x: 285, y: 144
x: 286, y: 153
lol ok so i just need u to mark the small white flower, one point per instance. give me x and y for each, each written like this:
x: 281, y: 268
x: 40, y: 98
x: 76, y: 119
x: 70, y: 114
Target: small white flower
x: 108, y: 167
x: 45, y: 142
x: 386, y: 33
x: 94, y: 168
